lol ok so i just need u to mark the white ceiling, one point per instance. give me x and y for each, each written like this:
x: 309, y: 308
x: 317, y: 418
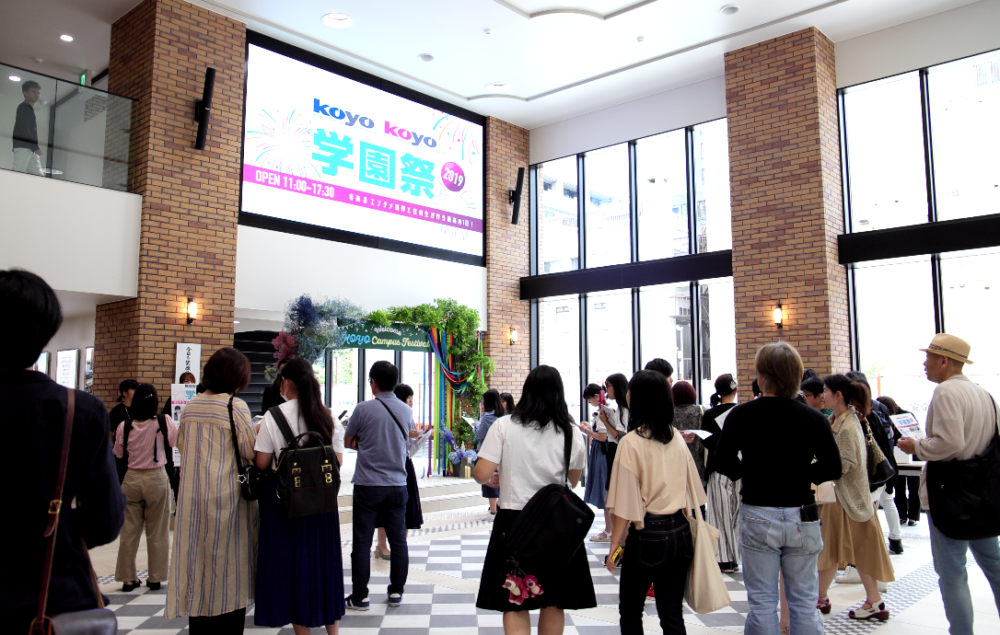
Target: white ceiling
x: 561, y: 58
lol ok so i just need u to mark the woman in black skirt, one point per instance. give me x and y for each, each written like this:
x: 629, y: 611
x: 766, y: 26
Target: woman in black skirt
x: 526, y: 450
x: 300, y: 571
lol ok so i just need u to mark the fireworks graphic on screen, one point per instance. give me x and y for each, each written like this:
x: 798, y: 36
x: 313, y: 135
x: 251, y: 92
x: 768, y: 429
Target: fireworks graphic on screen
x: 452, y: 132
x: 281, y: 144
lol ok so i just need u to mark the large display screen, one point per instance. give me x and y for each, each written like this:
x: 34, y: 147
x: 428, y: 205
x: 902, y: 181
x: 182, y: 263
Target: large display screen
x: 329, y: 151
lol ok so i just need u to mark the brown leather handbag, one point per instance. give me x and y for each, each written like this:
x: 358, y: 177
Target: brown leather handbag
x: 99, y: 621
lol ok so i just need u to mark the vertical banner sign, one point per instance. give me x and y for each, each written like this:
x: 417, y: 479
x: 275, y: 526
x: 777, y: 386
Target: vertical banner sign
x: 180, y: 395
x: 188, y: 361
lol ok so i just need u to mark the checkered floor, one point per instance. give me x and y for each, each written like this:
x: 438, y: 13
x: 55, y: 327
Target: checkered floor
x: 431, y: 609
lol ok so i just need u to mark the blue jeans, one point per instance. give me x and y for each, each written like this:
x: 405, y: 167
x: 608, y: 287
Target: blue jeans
x: 953, y: 577
x: 660, y: 555
x: 774, y: 538
x: 372, y: 503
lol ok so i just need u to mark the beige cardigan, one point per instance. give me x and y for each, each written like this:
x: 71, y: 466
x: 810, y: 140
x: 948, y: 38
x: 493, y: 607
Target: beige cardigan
x: 852, y: 487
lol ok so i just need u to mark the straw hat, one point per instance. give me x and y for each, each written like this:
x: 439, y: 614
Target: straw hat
x: 950, y: 346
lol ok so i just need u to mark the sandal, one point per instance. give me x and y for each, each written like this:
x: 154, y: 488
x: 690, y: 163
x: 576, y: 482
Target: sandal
x: 601, y: 537
x: 868, y: 611
x: 380, y: 555
x: 128, y: 587
x: 824, y: 606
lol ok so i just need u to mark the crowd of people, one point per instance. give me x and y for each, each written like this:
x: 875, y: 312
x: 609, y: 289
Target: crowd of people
x: 788, y: 478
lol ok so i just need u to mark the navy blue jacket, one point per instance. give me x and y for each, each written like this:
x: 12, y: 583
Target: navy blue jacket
x: 32, y: 417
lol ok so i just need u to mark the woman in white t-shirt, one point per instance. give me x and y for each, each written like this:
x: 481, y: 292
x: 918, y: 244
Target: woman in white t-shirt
x: 300, y: 571
x: 616, y: 424
x: 527, y: 449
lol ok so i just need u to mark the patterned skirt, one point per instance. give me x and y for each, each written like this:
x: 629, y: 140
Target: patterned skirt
x: 723, y: 513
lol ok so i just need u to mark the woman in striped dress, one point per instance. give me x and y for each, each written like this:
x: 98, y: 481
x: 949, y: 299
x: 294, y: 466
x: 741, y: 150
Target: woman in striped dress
x: 723, y: 510
x: 215, y: 543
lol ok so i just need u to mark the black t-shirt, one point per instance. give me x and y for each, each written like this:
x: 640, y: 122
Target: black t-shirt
x: 25, y: 127
x: 779, y: 440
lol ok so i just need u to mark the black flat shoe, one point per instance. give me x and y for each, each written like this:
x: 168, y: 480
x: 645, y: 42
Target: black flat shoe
x: 153, y: 586
x: 128, y: 587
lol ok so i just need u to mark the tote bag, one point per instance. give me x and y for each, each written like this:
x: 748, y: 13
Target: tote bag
x: 706, y: 590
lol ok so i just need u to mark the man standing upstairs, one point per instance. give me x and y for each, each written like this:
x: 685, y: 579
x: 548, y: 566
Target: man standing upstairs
x: 378, y: 430
x: 961, y: 423
x: 27, y: 154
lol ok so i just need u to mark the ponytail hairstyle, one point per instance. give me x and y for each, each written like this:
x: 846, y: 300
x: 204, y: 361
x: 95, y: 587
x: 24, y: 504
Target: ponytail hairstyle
x: 849, y: 389
x: 315, y: 415
x: 862, y: 401
x: 620, y: 384
x: 652, y: 414
x: 725, y: 385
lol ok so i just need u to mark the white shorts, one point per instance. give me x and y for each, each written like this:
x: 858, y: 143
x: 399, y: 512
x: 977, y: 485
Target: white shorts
x: 27, y: 161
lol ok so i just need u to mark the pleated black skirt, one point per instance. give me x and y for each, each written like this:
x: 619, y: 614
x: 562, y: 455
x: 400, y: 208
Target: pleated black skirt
x: 570, y: 588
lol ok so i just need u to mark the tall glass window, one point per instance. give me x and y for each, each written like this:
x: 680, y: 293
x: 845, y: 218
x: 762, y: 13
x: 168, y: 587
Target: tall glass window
x: 713, y: 214
x: 344, y: 380
x: 609, y: 335
x: 419, y: 377
x: 558, y: 230
x: 895, y: 317
x: 971, y: 293
x: 606, y: 176
x: 665, y: 327
x: 965, y: 109
x: 373, y: 355
x: 885, y: 153
x: 718, y: 333
x: 559, y: 344
x: 661, y: 183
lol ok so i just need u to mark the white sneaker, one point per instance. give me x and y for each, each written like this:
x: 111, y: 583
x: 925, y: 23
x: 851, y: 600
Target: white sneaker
x: 488, y: 518
x: 849, y: 576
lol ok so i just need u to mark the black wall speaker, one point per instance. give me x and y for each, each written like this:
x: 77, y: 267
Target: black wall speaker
x: 515, y: 196
x: 203, y: 108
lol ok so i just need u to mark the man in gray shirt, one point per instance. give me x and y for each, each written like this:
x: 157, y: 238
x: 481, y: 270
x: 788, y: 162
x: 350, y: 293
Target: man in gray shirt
x: 378, y: 430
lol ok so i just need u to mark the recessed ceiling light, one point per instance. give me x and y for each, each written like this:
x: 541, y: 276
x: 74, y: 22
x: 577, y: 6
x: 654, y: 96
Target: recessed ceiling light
x: 337, y: 20
x: 640, y: 39
x: 14, y: 78
x: 425, y: 57
x: 730, y: 9
x: 66, y: 38
x: 498, y: 87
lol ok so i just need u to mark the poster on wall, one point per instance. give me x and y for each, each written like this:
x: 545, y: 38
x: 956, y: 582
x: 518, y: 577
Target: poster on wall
x: 188, y: 361
x: 67, y: 367
x: 180, y: 395
x: 88, y: 369
x: 329, y: 151
x: 42, y: 365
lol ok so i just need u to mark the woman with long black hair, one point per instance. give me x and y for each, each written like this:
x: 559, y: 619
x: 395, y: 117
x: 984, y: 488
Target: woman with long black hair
x: 527, y: 449
x: 492, y: 410
x: 653, y: 479
x: 300, y: 572
x: 616, y: 421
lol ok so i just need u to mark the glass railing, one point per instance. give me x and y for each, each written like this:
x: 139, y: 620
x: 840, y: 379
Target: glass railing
x: 60, y: 130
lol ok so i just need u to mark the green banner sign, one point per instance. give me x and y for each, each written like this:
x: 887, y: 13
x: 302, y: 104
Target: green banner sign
x: 396, y: 337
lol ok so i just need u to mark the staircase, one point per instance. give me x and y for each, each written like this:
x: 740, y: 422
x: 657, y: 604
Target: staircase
x: 256, y: 345
x: 437, y: 494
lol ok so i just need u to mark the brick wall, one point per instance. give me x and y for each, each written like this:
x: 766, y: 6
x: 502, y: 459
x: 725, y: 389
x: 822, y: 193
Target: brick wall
x: 506, y: 150
x: 159, y: 53
x: 784, y: 154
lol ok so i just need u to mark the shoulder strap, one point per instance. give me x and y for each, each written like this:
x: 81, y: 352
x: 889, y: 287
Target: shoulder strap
x: 567, y: 450
x: 126, y: 430
x: 286, y: 430
x: 406, y: 436
x: 55, y: 505
x: 161, y: 419
x: 236, y: 444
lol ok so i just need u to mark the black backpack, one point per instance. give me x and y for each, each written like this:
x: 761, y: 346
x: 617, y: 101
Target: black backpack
x: 551, y: 528
x: 964, y: 496
x: 308, y: 479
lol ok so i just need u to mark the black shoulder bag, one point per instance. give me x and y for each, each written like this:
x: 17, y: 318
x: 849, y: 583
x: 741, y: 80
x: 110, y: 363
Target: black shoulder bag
x: 965, y: 495
x: 252, y: 481
x: 308, y: 479
x: 551, y: 527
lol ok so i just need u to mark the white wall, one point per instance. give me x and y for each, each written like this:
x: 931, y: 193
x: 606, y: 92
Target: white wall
x: 77, y: 237
x: 273, y: 268
x: 77, y: 332
x: 968, y: 30
x: 669, y: 110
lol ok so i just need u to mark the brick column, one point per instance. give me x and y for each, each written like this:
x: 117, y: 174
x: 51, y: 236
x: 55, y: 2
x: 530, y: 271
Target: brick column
x: 159, y: 53
x: 787, y: 201
x: 507, y: 257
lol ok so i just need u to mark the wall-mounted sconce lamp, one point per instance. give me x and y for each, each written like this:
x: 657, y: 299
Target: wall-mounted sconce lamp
x: 512, y: 336
x: 778, y: 318
x: 192, y: 310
